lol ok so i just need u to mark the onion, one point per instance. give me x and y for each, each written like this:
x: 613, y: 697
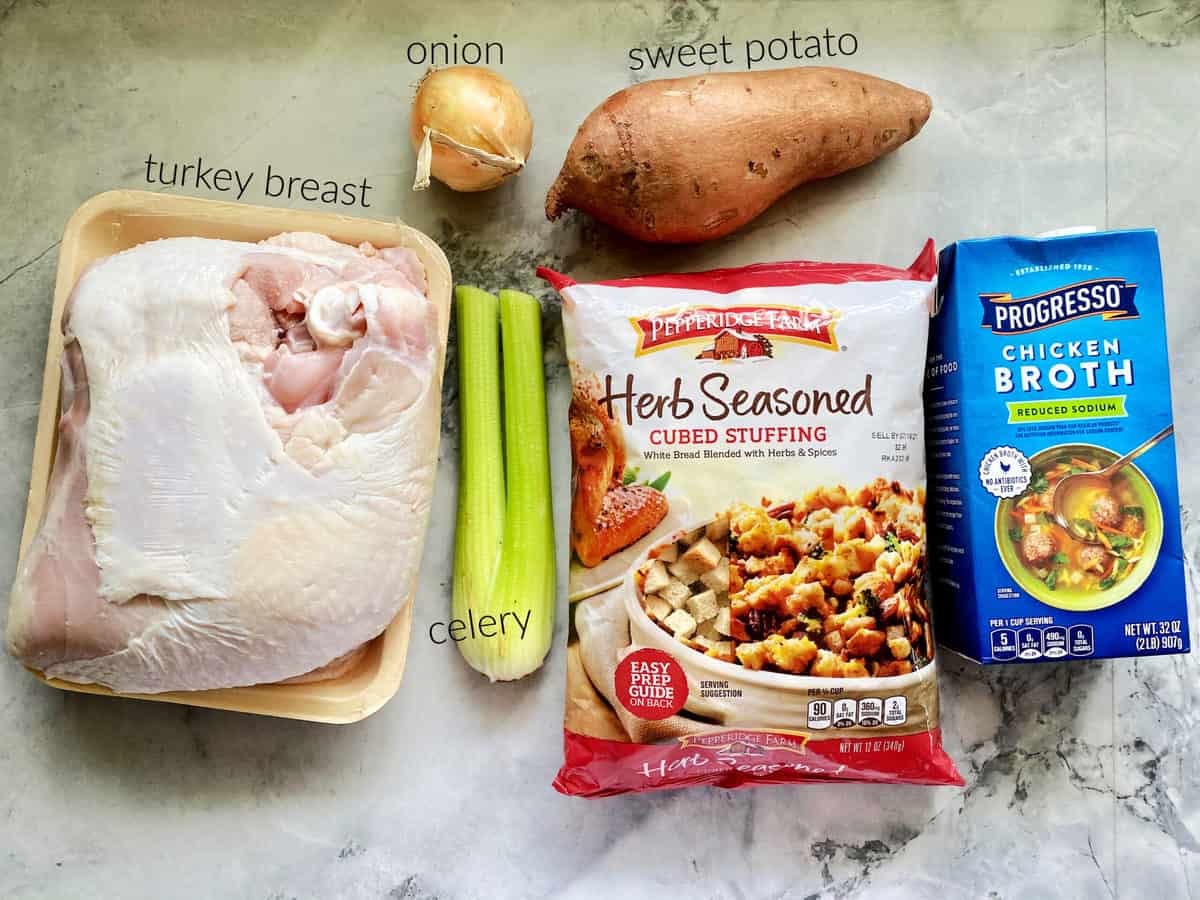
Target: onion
x: 470, y: 128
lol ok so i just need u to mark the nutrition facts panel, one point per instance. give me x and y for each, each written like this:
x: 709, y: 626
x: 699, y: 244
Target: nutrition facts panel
x: 865, y: 712
x: 1052, y: 642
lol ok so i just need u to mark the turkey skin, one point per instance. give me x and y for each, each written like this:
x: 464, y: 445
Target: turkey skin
x: 245, y: 462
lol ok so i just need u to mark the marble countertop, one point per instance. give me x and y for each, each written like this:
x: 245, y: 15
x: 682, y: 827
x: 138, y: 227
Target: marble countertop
x: 1082, y: 779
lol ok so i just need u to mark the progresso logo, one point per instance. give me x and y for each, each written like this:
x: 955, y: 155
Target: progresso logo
x: 1109, y: 298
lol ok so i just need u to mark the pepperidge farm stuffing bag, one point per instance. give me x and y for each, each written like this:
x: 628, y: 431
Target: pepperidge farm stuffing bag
x: 747, y: 584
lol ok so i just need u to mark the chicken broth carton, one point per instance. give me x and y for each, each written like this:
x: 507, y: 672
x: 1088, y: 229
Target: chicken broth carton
x: 1054, y: 529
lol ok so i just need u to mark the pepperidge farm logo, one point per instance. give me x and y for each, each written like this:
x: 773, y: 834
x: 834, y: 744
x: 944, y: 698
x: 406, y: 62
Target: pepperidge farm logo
x: 1108, y: 298
x: 737, y: 332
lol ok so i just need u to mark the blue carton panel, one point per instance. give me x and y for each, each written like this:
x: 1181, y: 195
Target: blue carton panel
x: 1047, y: 364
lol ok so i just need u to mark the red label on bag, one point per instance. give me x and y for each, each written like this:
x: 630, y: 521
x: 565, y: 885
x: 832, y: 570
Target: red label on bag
x: 594, y: 767
x: 651, y: 685
x: 750, y: 325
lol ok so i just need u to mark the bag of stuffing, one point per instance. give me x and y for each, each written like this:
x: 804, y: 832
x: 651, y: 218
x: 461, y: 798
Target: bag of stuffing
x: 747, y: 580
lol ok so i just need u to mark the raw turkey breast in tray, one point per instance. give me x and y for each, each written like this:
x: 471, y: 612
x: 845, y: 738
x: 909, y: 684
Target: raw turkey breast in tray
x: 245, y: 463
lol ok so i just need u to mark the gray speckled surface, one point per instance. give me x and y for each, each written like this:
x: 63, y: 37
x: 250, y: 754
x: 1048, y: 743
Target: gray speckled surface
x: 1082, y: 778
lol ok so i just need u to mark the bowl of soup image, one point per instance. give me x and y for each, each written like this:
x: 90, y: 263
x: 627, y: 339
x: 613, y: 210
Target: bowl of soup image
x: 1049, y: 562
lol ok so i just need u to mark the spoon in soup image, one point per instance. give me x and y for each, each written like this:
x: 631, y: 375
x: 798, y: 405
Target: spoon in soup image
x: 1087, y: 503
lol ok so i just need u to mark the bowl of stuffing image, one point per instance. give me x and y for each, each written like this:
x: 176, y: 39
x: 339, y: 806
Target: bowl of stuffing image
x: 766, y: 606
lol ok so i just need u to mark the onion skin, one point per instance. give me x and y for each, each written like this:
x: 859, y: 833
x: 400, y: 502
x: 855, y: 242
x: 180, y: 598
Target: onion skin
x: 480, y: 128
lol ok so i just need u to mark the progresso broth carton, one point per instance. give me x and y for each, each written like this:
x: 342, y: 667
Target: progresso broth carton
x: 1053, y: 505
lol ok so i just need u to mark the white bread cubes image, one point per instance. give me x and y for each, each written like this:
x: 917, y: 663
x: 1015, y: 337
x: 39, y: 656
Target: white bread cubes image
x: 245, y: 461
x: 685, y: 587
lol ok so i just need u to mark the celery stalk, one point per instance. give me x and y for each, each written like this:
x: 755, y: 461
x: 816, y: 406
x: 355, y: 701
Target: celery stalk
x: 479, y: 534
x: 504, y: 546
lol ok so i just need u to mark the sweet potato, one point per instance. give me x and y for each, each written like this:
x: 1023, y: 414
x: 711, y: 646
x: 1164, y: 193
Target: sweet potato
x: 684, y: 160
